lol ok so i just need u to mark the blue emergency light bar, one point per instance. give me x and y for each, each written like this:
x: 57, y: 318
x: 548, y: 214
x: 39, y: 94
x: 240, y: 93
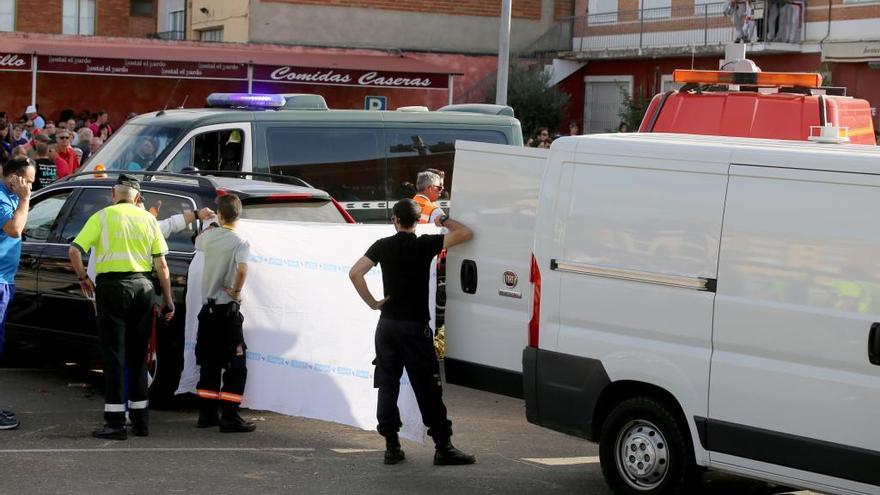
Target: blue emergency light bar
x: 245, y: 100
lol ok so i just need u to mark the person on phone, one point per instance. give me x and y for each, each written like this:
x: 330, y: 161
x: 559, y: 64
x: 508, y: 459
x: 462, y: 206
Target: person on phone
x: 403, y: 337
x: 15, y: 193
x: 127, y: 243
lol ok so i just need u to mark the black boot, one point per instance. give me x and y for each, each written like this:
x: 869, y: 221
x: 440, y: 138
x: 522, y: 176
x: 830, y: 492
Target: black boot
x: 393, y: 452
x: 108, y: 432
x: 209, y: 414
x: 447, y: 455
x: 140, y: 422
x: 231, y: 422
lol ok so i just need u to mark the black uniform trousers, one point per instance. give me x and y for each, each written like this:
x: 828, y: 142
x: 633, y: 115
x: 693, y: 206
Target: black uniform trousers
x: 219, y: 335
x: 125, y: 309
x: 409, y: 344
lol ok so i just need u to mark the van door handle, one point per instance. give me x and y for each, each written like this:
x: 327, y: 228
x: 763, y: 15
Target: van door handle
x: 469, y: 277
x: 874, y: 344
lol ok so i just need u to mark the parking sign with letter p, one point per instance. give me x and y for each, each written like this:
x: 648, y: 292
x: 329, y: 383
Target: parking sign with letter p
x: 375, y: 103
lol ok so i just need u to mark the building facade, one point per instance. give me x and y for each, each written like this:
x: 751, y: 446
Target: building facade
x: 133, y: 18
x: 356, y: 53
x: 620, y: 47
x: 465, y: 26
x: 462, y: 36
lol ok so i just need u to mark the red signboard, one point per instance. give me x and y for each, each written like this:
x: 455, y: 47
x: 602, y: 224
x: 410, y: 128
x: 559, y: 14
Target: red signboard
x: 142, y: 68
x: 15, y: 62
x: 347, y: 77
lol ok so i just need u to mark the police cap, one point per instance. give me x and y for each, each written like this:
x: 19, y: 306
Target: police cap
x: 129, y: 180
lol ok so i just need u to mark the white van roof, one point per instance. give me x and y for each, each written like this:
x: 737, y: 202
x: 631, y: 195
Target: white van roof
x: 852, y: 158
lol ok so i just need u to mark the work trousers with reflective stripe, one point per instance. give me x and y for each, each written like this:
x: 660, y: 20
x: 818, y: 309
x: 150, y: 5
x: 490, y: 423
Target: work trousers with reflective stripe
x: 124, y: 302
x: 220, y: 333
x: 410, y: 345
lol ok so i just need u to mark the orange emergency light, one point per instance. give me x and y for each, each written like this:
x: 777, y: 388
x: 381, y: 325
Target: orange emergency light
x: 799, y: 79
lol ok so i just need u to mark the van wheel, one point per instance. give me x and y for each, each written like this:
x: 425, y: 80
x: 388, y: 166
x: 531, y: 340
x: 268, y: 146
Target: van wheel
x: 644, y: 449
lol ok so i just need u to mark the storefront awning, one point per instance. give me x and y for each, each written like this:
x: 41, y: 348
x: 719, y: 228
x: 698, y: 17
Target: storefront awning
x: 851, y: 51
x: 224, y: 61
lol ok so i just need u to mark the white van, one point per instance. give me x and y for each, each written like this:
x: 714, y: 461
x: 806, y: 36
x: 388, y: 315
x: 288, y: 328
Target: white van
x: 687, y: 301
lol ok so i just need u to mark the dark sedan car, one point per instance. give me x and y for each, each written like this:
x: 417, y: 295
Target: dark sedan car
x: 49, y: 309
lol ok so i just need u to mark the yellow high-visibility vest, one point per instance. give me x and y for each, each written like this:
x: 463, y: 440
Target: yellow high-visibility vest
x: 125, y: 238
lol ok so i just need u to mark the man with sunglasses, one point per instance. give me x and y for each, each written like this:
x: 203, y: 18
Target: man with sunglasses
x: 66, y: 160
x: 429, y: 186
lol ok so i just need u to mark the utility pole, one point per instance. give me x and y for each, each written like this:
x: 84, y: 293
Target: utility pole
x: 503, y: 53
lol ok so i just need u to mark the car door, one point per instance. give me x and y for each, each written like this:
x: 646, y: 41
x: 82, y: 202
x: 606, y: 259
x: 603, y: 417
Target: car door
x: 181, y: 247
x: 64, y: 310
x: 43, y: 217
x: 793, y: 388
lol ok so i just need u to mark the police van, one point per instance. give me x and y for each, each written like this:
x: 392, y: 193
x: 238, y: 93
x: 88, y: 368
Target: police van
x: 687, y: 301
x: 367, y: 160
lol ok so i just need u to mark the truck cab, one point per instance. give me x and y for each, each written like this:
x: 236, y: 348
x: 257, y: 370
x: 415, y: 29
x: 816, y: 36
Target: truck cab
x: 746, y: 102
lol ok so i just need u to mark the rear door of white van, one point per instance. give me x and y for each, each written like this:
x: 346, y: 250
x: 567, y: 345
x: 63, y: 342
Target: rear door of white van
x: 794, y: 394
x: 495, y: 193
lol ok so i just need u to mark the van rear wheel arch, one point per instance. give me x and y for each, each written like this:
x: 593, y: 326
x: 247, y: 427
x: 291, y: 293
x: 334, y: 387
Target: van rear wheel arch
x: 620, y: 391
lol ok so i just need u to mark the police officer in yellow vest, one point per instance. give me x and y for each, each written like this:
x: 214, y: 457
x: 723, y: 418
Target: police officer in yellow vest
x: 429, y: 186
x: 127, y: 243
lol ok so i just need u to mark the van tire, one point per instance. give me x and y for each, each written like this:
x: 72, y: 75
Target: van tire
x: 648, y: 428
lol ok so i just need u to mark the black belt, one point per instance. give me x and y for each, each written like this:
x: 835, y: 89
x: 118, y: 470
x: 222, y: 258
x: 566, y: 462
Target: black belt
x: 109, y: 276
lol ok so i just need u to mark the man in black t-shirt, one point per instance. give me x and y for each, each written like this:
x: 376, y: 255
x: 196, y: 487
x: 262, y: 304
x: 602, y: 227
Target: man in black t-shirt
x: 403, y: 337
x: 46, y: 170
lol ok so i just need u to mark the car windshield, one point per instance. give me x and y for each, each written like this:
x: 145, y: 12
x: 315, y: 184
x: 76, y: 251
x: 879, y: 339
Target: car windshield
x: 133, y: 147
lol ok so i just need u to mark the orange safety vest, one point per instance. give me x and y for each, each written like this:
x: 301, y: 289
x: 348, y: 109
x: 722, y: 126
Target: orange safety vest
x: 427, y: 205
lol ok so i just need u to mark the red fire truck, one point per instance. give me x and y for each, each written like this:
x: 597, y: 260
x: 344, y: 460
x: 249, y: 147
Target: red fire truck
x: 773, y: 105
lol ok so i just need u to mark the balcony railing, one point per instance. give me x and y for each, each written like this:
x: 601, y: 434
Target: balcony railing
x: 700, y: 25
x: 168, y: 35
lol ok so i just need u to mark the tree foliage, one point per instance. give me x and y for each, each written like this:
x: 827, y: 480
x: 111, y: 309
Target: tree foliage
x: 534, y: 103
x: 633, y: 109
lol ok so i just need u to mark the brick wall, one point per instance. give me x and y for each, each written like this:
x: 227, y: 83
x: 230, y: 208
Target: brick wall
x: 141, y: 26
x: 38, y: 16
x: 842, y: 12
x: 563, y: 9
x: 112, y: 18
x: 522, y: 9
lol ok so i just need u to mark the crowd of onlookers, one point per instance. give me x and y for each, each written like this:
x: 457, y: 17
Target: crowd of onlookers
x: 57, y: 146
x: 543, y: 139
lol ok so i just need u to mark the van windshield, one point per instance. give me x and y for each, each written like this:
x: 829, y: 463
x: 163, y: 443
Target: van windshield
x: 133, y: 147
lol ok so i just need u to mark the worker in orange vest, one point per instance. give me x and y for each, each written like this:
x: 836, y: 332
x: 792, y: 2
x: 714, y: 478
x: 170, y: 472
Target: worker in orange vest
x: 429, y: 186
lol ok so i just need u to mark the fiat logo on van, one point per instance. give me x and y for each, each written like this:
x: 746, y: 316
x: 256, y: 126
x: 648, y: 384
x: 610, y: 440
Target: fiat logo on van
x: 510, y: 279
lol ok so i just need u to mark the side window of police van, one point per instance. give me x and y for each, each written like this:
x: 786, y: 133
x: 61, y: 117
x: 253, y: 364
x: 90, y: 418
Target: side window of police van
x: 214, y: 150
x: 90, y: 200
x: 165, y: 206
x: 412, y: 150
x: 43, y: 216
x: 345, y: 162
x: 182, y: 160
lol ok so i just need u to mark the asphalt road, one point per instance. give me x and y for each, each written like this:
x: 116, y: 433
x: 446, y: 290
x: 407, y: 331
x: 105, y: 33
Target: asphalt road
x: 53, y: 452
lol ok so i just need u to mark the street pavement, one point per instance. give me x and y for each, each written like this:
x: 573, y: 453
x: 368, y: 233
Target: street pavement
x: 53, y: 453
